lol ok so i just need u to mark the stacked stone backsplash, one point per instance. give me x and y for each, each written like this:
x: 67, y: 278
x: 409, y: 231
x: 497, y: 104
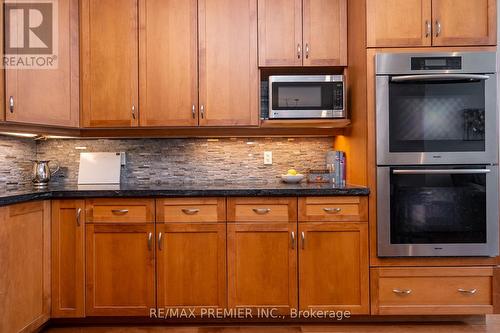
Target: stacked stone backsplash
x: 190, y: 161
x: 16, y: 157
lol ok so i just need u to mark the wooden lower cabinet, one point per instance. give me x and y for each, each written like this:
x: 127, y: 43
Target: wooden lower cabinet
x: 262, y: 266
x: 191, y: 265
x: 24, y: 266
x: 432, y: 291
x: 68, y: 259
x: 120, y: 269
x: 333, y: 267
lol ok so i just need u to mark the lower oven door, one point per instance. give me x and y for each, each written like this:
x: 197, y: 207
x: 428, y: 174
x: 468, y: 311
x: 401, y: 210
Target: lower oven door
x: 434, y: 211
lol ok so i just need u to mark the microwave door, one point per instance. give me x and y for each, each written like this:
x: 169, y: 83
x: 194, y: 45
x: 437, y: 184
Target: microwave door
x: 436, y: 119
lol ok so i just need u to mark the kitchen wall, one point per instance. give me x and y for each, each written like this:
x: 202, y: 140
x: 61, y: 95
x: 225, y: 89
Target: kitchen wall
x: 15, y: 161
x: 192, y: 160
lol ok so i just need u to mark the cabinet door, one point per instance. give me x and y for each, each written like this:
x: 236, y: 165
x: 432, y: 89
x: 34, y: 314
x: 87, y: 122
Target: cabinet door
x: 325, y: 32
x: 109, y: 63
x: 120, y: 270
x: 191, y: 265
x: 49, y: 96
x: 262, y: 266
x: 228, y: 62
x: 398, y: 23
x: 68, y: 258
x: 464, y: 22
x: 168, y: 62
x: 333, y: 270
x: 280, y: 33
x: 25, y: 266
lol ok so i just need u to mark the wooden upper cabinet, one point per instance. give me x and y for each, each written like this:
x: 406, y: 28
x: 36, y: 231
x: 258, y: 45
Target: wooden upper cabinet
x: 340, y: 250
x: 280, y: 33
x: 228, y: 62
x: 168, y: 62
x: 109, y: 52
x: 325, y: 32
x: 47, y: 96
x: 464, y: 22
x: 68, y: 258
x: 398, y: 23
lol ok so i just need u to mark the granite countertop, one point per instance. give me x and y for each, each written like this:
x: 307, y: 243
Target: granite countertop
x: 18, y: 195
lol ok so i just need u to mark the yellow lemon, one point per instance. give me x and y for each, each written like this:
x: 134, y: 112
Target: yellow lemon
x: 292, y: 172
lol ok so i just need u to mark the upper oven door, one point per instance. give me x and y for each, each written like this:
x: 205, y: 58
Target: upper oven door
x: 436, y: 119
x: 306, y: 96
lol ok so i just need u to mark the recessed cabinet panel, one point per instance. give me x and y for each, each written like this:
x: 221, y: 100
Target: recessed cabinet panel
x: 341, y: 250
x: 396, y: 23
x: 120, y: 274
x: 109, y: 48
x: 68, y: 259
x: 168, y: 62
x: 464, y: 22
x: 325, y: 32
x: 280, y: 33
x: 228, y: 62
x: 49, y: 96
x: 191, y: 265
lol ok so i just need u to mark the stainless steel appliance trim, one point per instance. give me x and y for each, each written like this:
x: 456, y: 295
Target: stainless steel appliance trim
x: 431, y: 77
x: 440, y: 171
x: 385, y: 157
x: 292, y: 114
x: 386, y: 249
x: 305, y: 78
x: 400, y: 63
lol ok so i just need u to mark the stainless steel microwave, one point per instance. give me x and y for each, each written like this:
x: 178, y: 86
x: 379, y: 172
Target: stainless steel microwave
x: 306, y: 97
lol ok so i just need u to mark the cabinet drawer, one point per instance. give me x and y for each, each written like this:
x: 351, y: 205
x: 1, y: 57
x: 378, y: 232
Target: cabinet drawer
x: 422, y: 291
x: 262, y: 210
x: 120, y: 211
x: 325, y: 209
x: 201, y: 210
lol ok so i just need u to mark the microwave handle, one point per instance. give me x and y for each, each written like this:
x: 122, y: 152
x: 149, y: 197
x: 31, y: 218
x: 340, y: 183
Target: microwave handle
x: 436, y: 77
x: 440, y: 171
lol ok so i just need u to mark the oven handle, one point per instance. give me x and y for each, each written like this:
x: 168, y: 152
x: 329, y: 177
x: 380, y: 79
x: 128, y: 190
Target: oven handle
x: 436, y: 77
x: 441, y: 171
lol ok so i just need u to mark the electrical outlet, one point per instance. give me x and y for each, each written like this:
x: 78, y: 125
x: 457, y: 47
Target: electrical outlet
x: 268, y: 158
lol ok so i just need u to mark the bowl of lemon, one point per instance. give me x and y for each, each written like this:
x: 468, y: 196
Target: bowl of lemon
x: 292, y: 177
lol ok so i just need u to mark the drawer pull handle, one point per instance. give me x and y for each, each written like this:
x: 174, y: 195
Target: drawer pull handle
x: 402, y: 291
x: 292, y: 236
x: 262, y: 211
x: 191, y: 211
x: 120, y: 211
x: 303, y: 238
x: 467, y: 291
x: 78, y: 216
x: 332, y: 210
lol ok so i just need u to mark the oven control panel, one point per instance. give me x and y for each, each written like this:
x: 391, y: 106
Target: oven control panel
x: 436, y: 63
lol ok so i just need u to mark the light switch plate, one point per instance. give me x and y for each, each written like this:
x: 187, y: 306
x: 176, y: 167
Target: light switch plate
x: 268, y: 158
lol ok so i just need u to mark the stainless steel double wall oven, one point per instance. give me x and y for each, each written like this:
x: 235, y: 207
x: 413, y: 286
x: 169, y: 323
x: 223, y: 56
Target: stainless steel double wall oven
x: 437, y: 154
